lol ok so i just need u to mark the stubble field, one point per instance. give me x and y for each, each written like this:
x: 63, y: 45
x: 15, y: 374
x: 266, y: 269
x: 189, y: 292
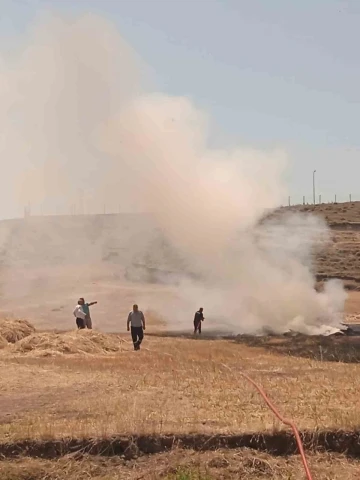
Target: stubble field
x: 81, y: 405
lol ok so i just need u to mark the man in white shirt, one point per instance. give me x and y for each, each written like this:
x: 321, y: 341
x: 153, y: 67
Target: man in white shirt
x: 80, y: 315
x: 86, y: 309
x: 137, y: 320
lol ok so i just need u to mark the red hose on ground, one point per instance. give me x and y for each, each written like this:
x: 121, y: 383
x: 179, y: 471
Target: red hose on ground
x: 285, y: 421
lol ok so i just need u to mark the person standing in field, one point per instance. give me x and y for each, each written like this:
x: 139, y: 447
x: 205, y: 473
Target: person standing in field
x: 86, y: 310
x: 198, y: 318
x: 137, y: 321
x: 80, y: 315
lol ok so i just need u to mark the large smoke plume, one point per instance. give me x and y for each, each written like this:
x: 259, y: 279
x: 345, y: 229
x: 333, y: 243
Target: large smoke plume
x: 82, y: 128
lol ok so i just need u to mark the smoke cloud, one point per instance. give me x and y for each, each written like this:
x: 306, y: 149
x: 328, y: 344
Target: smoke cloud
x: 83, y: 129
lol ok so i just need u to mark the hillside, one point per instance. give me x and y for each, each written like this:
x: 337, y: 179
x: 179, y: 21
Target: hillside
x: 132, y: 239
x: 53, y: 240
x: 342, y: 257
x: 48, y: 262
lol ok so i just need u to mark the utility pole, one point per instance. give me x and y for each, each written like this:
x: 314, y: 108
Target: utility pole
x: 314, y: 190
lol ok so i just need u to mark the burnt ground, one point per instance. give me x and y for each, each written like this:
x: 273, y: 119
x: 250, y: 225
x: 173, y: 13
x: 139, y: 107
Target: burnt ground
x: 129, y: 447
x: 330, y: 455
x: 335, y: 348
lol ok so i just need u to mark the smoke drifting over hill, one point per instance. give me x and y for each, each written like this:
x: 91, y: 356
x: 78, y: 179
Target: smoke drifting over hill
x: 82, y: 130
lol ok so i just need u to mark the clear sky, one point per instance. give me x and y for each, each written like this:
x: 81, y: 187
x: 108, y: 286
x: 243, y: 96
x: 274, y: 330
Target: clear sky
x: 270, y: 72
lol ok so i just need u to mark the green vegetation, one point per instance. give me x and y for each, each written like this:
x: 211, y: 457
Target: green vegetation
x: 188, y: 474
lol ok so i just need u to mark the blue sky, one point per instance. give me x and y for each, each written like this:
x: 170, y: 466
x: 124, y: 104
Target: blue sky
x: 270, y: 73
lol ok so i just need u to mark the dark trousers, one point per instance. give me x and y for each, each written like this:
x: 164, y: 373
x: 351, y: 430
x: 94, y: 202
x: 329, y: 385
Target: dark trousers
x: 80, y: 323
x: 197, y: 326
x: 137, y: 335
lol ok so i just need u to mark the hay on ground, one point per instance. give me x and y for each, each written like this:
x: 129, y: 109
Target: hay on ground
x: 79, y: 342
x: 14, y: 330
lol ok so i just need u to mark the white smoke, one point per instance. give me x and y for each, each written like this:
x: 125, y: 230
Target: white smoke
x: 77, y: 123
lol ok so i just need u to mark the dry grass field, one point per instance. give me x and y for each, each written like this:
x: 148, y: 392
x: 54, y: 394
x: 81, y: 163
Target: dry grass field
x: 79, y: 405
x: 173, y: 386
x: 180, y: 387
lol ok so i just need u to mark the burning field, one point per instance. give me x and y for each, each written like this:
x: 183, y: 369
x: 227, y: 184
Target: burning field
x: 200, y: 228
x: 76, y: 404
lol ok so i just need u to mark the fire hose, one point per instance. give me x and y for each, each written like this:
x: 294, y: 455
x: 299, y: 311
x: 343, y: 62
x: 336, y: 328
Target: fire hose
x: 282, y: 419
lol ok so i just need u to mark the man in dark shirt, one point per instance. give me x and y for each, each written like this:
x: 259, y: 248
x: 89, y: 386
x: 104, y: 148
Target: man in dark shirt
x: 198, y: 318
